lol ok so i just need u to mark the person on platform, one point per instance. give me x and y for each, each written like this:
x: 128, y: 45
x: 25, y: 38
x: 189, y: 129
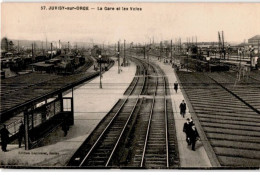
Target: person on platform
x: 194, y: 136
x: 4, y: 138
x: 183, y: 108
x: 191, y: 122
x: 21, y: 134
x: 65, y: 127
x: 176, y: 86
x: 186, y: 130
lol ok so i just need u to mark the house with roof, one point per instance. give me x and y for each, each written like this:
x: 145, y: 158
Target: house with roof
x: 254, y: 41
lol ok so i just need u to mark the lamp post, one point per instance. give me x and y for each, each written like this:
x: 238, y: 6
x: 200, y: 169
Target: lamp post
x: 100, y: 74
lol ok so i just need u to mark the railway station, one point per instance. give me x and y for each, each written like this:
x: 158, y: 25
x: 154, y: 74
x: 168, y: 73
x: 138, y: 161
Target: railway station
x: 170, y: 103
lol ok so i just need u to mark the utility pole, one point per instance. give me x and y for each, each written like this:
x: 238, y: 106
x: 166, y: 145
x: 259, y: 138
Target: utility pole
x: 124, y: 53
x: 148, y: 58
x: 100, y: 69
x: 46, y: 47
x: 174, y: 54
x: 187, y: 60
x: 219, y: 45
x: 160, y: 50
x: 258, y: 49
x: 42, y: 49
x: 33, y: 52
x: 180, y: 44
x: 171, y: 50
x: 68, y: 46
x: 223, y: 45
x: 144, y: 52
x: 118, y: 53
x: 51, y: 50
x: 18, y: 46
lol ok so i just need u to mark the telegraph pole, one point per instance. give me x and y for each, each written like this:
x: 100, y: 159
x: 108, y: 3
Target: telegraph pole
x: 42, y: 49
x: 258, y: 49
x: 46, y: 47
x: 18, y: 46
x: 160, y: 50
x: 180, y: 44
x: 118, y: 53
x: 144, y: 52
x: 32, y: 52
x: 148, y: 58
x: 51, y: 50
x: 171, y: 50
x: 100, y: 69
x: 124, y: 53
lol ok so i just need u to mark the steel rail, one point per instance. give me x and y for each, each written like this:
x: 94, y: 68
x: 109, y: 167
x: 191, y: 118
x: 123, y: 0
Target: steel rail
x: 147, y: 132
x: 166, y: 118
x: 149, y: 126
x: 101, y: 135
x: 134, y: 86
x: 166, y: 124
x: 123, y: 130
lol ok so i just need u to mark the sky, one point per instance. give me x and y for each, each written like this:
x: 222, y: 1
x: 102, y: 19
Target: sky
x: 161, y: 21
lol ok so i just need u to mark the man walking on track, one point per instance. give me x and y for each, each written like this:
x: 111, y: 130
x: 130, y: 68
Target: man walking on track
x: 183, y: 108
x: 176, y: 86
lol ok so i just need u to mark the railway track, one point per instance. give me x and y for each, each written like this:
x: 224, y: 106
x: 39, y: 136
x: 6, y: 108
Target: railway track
x: 155, y: 151
x: 146, y: 117
x: 228, y: 114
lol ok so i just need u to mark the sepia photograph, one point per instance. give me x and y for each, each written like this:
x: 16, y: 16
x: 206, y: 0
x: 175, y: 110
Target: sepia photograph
x: 112, y: 85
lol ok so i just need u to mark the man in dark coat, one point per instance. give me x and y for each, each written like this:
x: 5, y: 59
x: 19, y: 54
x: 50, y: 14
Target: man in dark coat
x: 4, y: 138
x: 193, y: 137
x: 21, y: 134
x: 65, y: 127
x: 186, y: 129
x: 176, y: 86
x: 183, y: 108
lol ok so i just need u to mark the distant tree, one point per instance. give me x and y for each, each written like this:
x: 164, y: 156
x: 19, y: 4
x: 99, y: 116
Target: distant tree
x: 4, y: 44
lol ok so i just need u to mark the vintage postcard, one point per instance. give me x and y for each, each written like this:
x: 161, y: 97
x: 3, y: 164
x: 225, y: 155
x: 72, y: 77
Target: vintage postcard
x: 130, y: 85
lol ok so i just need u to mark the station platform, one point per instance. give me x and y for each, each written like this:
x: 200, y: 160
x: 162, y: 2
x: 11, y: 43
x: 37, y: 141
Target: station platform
x: 188, y: 157
x: 90, y: 105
